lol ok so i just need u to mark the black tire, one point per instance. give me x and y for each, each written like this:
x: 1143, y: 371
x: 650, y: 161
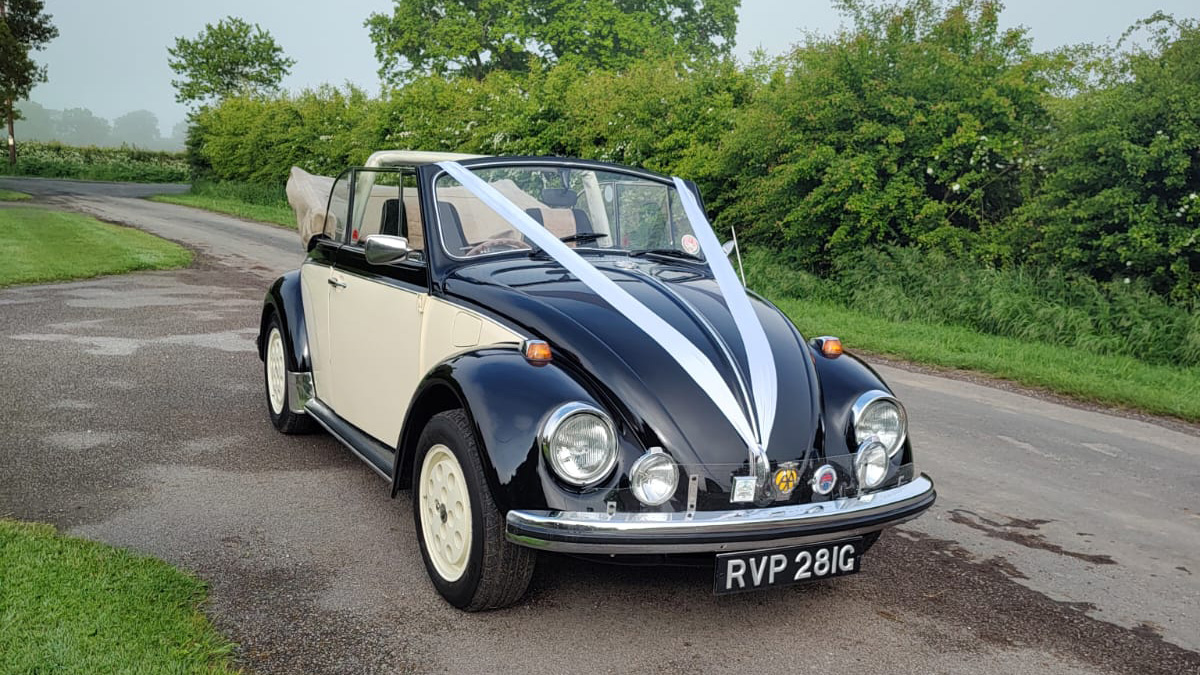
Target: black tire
x: 497, y: 573
x: 283, y: 419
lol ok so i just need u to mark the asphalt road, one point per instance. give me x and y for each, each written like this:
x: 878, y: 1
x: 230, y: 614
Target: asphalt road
x: 1064, y: 540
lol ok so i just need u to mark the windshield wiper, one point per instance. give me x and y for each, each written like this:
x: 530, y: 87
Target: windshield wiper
x: 579, y: 236
x: 666, y: 253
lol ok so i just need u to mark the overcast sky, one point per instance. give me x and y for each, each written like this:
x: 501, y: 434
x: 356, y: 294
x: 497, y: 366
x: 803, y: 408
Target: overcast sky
x: 111, y: 56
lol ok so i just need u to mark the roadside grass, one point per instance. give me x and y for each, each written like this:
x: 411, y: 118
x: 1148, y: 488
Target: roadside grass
x: 40, y: 245
x: 264, y: 203
x: 12, y: 196
x: 1114, y: 380
x: 72, y: 605
x: 276, y: 215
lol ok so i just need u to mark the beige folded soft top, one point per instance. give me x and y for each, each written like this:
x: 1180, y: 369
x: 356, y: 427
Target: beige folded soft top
x: 308, y: 194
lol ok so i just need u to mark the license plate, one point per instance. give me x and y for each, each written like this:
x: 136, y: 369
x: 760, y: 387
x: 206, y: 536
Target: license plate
x: 752, y: 570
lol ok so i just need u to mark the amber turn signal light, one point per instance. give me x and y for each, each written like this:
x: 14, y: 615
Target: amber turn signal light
x: 831, y: 347
x: 537, y: 351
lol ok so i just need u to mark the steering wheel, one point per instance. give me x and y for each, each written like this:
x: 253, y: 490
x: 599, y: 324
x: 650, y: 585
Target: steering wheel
x: 494, y: 245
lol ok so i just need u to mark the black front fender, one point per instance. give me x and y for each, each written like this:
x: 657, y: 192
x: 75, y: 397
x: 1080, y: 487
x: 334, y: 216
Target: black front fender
x: 507, y: 398
x: 843, y: 380
x: 285, y: 299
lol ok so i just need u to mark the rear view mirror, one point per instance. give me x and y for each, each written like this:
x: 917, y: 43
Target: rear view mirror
x: 727, y: 247
x: 385, y: 249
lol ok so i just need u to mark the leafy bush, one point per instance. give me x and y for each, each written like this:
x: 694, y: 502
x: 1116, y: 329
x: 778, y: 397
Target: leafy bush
x: 911, y: 127
x: 54, y: 160
x: 1122, y: 194
x: 657, y: 114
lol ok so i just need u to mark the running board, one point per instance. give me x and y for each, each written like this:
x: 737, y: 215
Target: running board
x: 378, y: 456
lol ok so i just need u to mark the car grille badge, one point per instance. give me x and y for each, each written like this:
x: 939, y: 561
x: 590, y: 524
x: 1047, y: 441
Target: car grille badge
x: 786, y: 477
x: 744, y: 488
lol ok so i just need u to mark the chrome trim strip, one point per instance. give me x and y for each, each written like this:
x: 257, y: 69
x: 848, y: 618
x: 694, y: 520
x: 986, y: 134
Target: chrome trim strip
x: 300, y: 391
x: 561, y: 414
x: 317, y: 411
x: 745, y: 529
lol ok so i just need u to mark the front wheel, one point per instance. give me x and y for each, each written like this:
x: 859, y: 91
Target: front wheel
x: 460, y: 530
x: 277, y: 385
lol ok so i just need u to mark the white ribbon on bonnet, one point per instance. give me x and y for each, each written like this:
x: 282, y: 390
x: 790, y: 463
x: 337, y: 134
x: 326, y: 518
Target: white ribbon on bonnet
x: 764, y: 384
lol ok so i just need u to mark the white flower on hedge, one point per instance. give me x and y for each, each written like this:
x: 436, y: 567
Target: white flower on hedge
x: 955, y: 187
x: 1126, y: 279
x: 929, y: 170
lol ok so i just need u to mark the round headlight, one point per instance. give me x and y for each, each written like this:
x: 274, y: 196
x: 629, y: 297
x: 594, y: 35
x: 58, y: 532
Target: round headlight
x: 653, y: 478
x: 879, y: 416
x: 871, y: 465
x: 579, y: 443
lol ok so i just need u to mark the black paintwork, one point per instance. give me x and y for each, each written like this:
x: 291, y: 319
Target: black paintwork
x: 283, y: 298
x: 600, y: 357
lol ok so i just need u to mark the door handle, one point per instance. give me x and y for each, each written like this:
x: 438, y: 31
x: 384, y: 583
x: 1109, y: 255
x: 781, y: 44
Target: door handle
x: 335, y: 283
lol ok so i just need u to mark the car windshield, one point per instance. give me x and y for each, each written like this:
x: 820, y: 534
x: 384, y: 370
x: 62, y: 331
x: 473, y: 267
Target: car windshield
x: 588, y: 208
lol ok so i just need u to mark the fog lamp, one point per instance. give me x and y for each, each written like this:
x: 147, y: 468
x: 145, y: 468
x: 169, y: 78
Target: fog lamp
x: 871, y: 464
x: 654, y: 477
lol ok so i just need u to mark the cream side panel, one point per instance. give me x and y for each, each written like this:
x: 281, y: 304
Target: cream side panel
x: 376, y: 330
x: 314, y: 290
x: 448, y: 329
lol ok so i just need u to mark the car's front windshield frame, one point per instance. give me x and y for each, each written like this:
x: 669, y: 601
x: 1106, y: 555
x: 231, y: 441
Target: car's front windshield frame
x: 549, y: 165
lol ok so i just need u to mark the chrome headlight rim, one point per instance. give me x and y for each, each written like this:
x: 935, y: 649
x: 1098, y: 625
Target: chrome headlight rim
x: 554, y: 422
x: 860, y: 463
x: 866, y: 400
x: 654, y: 455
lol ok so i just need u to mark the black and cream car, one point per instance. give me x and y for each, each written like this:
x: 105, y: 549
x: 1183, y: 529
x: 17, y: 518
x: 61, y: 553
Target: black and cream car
x: 557, y: 355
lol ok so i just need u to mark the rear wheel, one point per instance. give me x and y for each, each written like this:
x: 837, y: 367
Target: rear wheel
x: 278, y: 388
x: 460, y: 530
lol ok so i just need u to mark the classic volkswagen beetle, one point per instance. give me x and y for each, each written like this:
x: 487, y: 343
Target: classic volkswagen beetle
x: 557, y: 355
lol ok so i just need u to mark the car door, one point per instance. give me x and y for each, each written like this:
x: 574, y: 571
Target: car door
x: 316, y: 277
x: 375, y: 311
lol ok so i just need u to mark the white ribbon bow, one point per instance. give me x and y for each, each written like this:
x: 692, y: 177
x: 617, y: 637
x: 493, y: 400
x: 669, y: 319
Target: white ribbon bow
x: 698, y: 366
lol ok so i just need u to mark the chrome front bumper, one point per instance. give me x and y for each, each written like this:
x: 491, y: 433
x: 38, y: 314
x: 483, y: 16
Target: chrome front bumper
x: 736, y: 530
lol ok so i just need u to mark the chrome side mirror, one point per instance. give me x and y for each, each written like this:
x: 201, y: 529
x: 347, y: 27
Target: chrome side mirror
x: 727, y: 247
x: 384, y: 249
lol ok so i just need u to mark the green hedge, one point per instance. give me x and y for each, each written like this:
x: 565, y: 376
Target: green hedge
x: 55, y: 160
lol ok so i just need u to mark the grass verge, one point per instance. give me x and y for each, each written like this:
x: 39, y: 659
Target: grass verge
x: 267, y: 213
x: 71, y: 605
x: 256, y: 201
x: 40, y: 245
x: 1108, y: 379
x: 12, y: 196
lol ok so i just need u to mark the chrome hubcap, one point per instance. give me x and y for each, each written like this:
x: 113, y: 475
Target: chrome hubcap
x: 445, y: 509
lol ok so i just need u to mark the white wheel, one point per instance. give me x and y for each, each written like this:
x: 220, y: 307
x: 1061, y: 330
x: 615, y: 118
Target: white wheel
x: 276, y: 372
x: 445, y: 509
x: 275, y: 378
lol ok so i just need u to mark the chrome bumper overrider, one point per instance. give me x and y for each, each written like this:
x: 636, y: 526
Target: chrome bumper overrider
x: 741, y: 529
x: 300, y: 391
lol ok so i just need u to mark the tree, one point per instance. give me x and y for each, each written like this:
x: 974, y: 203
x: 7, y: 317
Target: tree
x: 911, y: 127
x: 35, y: 122
x: 475, y: 37
x: 24, y: 27
x: 232, y: 57
x: 1120, y: 198
x: 138, y: 128
x: 79, y: 126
